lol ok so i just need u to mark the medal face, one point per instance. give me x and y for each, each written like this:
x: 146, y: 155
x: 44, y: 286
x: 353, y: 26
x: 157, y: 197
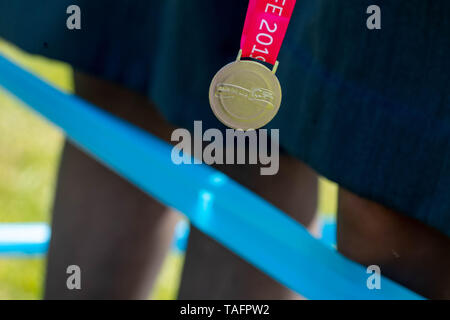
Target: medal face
x: 245, y: 95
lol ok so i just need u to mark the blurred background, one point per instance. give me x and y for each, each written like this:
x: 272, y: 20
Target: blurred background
x: 30, y: 148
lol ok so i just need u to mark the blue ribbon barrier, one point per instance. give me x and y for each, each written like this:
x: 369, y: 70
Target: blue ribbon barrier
x: 181, y: 236
x: 24, y: 239
x: 33, y: 239
x: 240, y: 220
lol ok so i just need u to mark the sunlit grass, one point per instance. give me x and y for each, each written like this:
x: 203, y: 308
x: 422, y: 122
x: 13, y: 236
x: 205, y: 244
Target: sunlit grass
x: 166, y: 287
x: 29, y: 153
x: 327, y: 197
x: 29, y: 146
x: 21, y: 278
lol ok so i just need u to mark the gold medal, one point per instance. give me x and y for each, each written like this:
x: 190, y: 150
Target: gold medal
x: 245, y: 94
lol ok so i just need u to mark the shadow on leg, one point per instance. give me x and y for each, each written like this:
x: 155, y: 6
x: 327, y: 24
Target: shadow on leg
x: 405, y: 249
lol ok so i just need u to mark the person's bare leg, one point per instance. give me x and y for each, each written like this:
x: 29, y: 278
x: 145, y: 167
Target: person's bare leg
x: 115, y: 233
x: 406, y: 250
x: 213, y: 272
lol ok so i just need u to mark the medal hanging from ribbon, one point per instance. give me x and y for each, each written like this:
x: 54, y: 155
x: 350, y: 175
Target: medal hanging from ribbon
x: 245, y: 94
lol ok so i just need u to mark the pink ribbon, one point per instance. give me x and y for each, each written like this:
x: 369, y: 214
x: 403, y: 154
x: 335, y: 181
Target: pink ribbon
x: 265, y: 27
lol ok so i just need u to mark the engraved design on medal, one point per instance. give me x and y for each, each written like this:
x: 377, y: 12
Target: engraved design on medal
x: 230, y: 91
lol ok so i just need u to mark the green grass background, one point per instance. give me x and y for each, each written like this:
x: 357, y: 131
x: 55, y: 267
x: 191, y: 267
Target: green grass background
x: 29, y: 153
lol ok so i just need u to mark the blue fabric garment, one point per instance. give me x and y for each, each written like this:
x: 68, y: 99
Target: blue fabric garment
x: 367, y: 109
